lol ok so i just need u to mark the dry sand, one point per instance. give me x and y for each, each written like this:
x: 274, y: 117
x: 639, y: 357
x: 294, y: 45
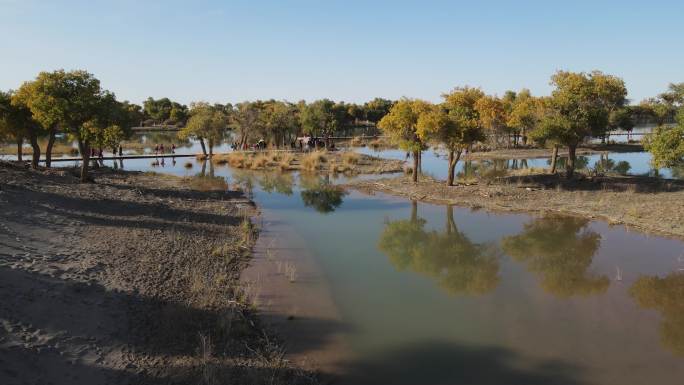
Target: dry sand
x: 133, y: 279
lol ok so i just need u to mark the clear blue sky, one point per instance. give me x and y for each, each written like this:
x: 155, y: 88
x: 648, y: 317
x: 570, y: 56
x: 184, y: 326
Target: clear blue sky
x: 228, y: 51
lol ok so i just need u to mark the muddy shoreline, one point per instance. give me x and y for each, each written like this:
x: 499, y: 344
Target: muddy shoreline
x: 133, y: 279
x: 645, y: 204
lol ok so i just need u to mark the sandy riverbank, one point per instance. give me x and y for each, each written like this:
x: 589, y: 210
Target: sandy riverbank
x: 646, y: 204
x: 132, y: 279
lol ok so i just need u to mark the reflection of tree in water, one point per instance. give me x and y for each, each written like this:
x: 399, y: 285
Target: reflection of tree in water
x: 559, y: 250
x: 207, y: 182
x: 605, y: 165
x: 459, y: 265
x: 268, y: 181
x: 667, y: 296
x: 581, y: 162
x: 278, y: 182
x: 324, y: 197
x: 486, y: 169
x: 245, y: 180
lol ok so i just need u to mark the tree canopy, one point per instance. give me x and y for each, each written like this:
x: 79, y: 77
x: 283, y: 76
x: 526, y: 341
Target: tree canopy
x: 207, y: 122
x: 455, y: 124
x: 401, y: 125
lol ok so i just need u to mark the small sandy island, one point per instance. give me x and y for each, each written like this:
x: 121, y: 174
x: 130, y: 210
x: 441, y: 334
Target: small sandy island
x: 345, y: 162
x: 647, y: 204
x: 133, y: 279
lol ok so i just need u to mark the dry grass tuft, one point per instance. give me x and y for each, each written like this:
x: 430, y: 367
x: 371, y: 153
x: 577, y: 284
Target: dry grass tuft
x: 313, y: 160
x: 351, y: 158
x: 261, y: 161
x: 357, y: 142
x: 285, y: 160
x: 378, y: 143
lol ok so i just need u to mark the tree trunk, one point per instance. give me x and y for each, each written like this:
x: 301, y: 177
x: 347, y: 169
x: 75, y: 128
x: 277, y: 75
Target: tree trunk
x: 570, y: 167
x: 204, y: 148
x: 554, y: 158
x: 450, y: 224
x: 84, y: 148
x: 420, y: 162
x: 415, y: 166
x: 414, y: 211
x: 211, y: 147
x: 48, y: 149
x: 35, y: 158
x: 20, y: 148
x: 454, y: 157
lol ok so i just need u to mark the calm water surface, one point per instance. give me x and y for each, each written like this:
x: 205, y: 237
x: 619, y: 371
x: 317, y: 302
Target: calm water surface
x: 431, y: 294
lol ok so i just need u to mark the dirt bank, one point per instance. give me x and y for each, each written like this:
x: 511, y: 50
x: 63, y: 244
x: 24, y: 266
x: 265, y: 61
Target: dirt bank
x: 132, y: 279
x: 647, y: 204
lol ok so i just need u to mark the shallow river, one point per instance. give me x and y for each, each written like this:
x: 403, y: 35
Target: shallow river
x: 388, y: 291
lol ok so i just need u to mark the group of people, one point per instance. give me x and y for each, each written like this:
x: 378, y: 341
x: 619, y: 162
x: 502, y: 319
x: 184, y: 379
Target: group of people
x: 306, y: 143
x: 159, y: 149
x: 98, y: 153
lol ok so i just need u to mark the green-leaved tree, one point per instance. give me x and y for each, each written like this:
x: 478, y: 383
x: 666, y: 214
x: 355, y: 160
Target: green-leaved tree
x: 401, y: 125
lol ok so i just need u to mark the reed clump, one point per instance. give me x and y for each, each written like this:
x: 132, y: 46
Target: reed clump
x: 285, y: 161
x: 351, y: 158
x: 261, y: 161
x: 313, y: 160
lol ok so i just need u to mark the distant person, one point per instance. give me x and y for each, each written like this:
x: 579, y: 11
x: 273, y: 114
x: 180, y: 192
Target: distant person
x: 173, y: 148
x: 92, y: 152
x: 100, y: 154
x: 120, y: 150
x: 156, y: 149
x: 161, y: 149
